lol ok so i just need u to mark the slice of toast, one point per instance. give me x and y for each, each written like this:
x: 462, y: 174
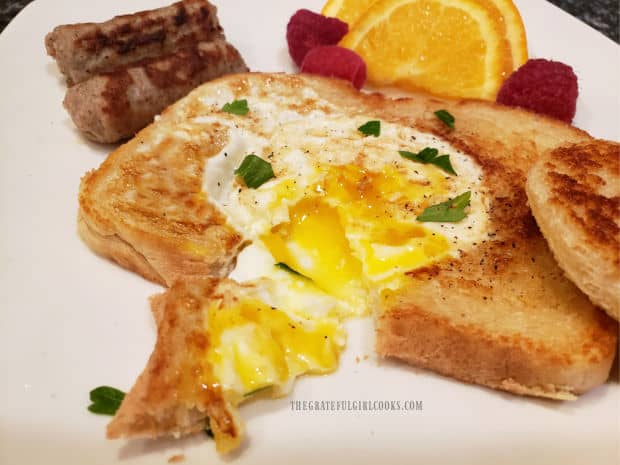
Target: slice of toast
x: 175, y: 393
x: 500, y: 314
x: 574, y: 193
x: 145, y: 209
x: 215, y: 339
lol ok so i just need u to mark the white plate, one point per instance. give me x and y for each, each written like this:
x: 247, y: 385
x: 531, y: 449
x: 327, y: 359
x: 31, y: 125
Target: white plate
x: 70, y: 321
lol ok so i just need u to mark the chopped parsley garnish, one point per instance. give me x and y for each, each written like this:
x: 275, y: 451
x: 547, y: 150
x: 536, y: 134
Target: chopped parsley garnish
x: 285, y: 267
x: 371, y: 128
x: 255, y: 171
x: 450, y: 211
x: 237, y: 107
x: 105, y: 400
x: 446, y: 117
x: 429, y: 155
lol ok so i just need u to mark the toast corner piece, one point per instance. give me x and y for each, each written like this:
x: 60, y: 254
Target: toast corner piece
x: 172, y: 397
x: 470, y: 354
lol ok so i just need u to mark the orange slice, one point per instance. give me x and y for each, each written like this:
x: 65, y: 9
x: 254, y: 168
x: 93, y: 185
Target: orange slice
x: 348, y: 11
x: 493, y: 10
x: 515, y: 31
x: 454, y: 48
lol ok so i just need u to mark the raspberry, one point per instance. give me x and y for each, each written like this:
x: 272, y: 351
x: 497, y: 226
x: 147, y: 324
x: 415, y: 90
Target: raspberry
x: 306, y: 30
x: 335, y: 61
x: 543, y: 86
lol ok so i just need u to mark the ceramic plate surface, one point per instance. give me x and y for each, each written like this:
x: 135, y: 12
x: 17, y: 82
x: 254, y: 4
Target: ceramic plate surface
x: 70, y: 321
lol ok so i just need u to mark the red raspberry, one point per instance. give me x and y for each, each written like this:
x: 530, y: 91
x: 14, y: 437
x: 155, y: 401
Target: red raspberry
x: 544, y: 86
x: 306, y: 30
x: 335, y: 61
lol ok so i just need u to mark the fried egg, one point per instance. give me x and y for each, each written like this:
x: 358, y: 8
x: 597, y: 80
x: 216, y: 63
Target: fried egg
x: 328, y: 234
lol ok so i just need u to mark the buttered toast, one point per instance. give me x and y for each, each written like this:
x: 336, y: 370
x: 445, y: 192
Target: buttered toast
x: 343, y: 218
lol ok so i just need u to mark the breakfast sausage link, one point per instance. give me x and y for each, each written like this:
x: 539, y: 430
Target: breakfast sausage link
x: 86, y: 49
x: 114, y: 106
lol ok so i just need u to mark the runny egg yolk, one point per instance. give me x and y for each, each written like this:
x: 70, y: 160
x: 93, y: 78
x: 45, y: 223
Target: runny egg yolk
x: 253, y: 345
x: 314, y: 244
x: 351, y: 233
x: 356, y: 225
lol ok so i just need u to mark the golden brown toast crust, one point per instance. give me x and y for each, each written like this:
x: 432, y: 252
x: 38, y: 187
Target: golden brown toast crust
x: 146, y: 211
x: 515, y: 364
x: 172, y: 395
x: 118, y: 250
x: 574, y: 192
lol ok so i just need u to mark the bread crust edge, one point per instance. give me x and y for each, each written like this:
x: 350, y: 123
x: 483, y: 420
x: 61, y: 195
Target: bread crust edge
x: 116, y: 249
x: 431, y: 342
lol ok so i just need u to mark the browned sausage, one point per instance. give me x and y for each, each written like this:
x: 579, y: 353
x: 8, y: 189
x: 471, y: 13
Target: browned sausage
x: 114, y: 106
x: 86, y: 49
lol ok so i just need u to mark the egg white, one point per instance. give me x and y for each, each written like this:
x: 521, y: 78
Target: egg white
x: 302, y: 148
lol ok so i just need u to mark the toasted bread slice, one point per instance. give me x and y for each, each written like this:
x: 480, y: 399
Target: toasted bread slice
x: 501, y: 314
x: 174, y: 394
x: 145, y: 208
x: 574, y: 193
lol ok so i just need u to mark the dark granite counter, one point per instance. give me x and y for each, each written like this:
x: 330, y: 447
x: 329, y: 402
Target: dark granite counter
x: 8, y: 9
x: 602, y: 15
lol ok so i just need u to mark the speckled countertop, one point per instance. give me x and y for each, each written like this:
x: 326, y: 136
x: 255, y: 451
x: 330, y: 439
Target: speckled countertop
x: 602, y: 15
